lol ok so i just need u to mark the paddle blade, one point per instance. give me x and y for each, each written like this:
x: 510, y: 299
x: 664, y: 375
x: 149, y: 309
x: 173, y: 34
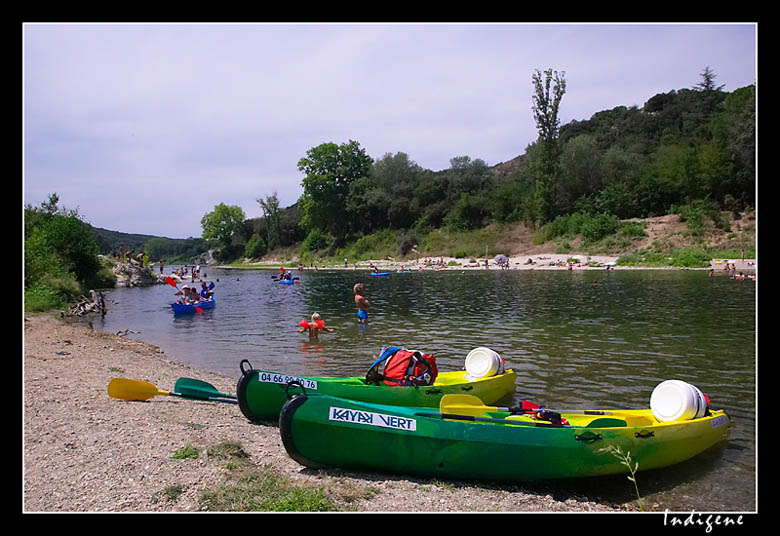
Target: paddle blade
x: 198, y: 310
x: 199, y: 389
x: 127, y: 389
x: 171, y: 282
x: 472, y: 405
x: 465, y: 405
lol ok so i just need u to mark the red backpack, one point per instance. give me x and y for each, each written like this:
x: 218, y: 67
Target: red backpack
x: 403, y: 367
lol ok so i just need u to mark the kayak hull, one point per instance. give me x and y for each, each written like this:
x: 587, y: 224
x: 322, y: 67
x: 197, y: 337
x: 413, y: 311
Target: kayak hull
x: 261, y: 394
x: 320, y: 431
x: 190, y: 308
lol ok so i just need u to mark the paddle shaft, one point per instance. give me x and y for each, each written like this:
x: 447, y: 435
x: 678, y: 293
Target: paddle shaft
x: 521, y: 411
x: 197, y: 388
x: 461, y: 402
x: 489, y: 419
x: 207, y: 398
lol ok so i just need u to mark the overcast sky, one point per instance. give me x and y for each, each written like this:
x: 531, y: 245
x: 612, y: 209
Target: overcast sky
x: 144, y: 128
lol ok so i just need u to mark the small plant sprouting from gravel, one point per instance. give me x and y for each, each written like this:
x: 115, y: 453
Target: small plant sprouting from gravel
x: 264, y: 490
x: 625, y: 459
x: 187, y: 452
x: 172, y: 493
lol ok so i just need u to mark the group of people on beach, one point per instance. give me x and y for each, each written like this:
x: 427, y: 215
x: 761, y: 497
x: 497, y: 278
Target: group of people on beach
x: 730, y: 267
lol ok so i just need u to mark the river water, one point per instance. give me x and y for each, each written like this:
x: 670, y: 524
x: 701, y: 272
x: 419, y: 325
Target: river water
x: 577, y: 339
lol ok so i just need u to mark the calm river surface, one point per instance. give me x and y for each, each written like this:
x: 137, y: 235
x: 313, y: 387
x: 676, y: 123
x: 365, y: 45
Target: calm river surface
x: 573, y: 344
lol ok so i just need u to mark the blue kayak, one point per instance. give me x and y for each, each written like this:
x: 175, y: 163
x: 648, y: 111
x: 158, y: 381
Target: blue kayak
x: 377, y: 274
x: 286, y: 281
x: 189, y: 308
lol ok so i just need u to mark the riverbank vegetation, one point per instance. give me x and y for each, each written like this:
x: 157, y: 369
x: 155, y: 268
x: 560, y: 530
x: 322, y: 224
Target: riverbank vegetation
x: 61, y: 260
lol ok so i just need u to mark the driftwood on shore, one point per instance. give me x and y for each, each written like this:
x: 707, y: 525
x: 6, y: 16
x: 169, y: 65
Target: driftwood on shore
x: 96, y: 303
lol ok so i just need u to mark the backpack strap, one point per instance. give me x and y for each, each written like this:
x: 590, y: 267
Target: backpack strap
x: 410, y: 377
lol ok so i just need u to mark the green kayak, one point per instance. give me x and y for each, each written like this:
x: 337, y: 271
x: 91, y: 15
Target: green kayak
x: 261, y: 394
x: 322, y: 431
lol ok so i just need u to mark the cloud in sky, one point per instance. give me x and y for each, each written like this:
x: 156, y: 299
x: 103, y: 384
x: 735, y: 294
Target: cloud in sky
x: 146, y: 127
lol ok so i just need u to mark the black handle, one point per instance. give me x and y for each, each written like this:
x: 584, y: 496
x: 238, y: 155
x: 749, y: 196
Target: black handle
x: 290, y: 384
x: 587, y: 436
x: 241, y: 366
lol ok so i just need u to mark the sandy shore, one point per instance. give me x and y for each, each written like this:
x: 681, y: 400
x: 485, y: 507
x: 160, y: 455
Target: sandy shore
x: 547, y: 261
x: 84, y: 451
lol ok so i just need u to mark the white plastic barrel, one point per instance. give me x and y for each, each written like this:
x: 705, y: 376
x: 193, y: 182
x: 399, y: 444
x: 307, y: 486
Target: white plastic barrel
x: 674, y: 400
x: 483, y: 362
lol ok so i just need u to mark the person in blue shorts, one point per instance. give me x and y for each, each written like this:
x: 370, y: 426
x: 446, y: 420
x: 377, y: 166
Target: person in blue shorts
x: 362, y: 303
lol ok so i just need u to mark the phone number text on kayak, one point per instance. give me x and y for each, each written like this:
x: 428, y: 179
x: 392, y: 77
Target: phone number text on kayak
x: 284, y: 379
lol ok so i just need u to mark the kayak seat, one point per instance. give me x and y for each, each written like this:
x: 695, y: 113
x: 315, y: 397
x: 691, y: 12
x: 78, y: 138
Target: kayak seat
x: 607, y: 422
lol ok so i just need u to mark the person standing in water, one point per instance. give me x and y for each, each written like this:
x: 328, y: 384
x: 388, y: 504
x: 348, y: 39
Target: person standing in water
x: 314, y: 327
x: 362, y: 303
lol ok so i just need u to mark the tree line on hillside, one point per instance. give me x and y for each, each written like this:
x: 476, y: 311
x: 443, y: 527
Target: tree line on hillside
x: 691, y: 146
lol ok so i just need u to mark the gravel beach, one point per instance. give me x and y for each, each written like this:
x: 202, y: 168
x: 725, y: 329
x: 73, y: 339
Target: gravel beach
x: 84, y: 451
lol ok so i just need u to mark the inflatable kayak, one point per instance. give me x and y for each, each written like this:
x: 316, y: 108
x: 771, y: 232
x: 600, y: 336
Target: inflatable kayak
x: 187, y: 308
x: 380, y: 274
x: 287, y: 281
x: 452, y: 442
x: 261, y: 394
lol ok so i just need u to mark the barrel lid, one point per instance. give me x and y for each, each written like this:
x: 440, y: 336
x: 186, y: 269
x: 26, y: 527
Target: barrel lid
x: 673, y: 400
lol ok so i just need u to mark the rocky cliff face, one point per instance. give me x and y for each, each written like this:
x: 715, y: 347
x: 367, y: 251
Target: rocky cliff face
x: 206, y: 259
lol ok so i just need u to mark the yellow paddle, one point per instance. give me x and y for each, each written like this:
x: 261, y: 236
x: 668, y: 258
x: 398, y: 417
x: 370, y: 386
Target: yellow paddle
x: 127, y: 389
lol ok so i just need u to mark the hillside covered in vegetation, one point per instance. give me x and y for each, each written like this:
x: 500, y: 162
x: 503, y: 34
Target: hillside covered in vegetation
x: 689, y: 152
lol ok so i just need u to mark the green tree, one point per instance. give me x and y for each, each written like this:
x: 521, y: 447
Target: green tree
x: 223, y: 224
x: 271, y: 213
x: 468, y: 212
x: 511, y: 200
x: 255, y: 247
x: 734, y: 130
x: 329, y: 171
x: 386, y: 196
x: 580, y: 171
x: 707, y: 81
x: 545, y: 108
